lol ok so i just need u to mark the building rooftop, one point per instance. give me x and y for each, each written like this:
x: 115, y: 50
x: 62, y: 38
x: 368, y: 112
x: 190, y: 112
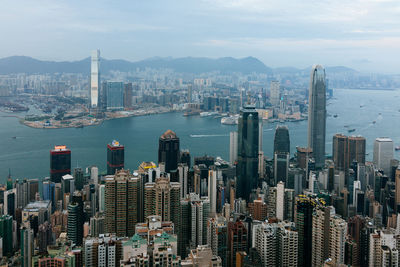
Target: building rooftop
x: 41, y: 204
x: 169, y: 134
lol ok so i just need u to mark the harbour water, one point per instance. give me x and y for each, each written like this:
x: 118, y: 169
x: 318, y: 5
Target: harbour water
x: 27, y: 155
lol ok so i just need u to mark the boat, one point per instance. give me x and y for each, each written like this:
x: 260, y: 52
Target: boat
x: 14, y: 137
x: 346, y: 126
x: 397, y: 148
x: 204, y: 114
x: 335, y: 116
x: 231, y: 120
x: 373, y: 122
x: 351, y: 130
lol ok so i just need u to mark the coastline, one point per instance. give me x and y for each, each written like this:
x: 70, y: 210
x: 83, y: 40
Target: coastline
x: 88, y: 121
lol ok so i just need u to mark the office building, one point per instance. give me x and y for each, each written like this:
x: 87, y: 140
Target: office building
x: 397, y: 191
x: 128, y: 95
x: 75, y: 219
x: 79, y: 178
x: 303, y: 155
x: 168, y: 150
x: 122, y: 200
x: 248, y: 148
x: 258, y: 209
x: 383, y: 154
x: 281, y: 167
x: 95, y: 78
x: 281, y: 139
x: 233, y: 147
x: 275, y: 94
x: 41, y: 210
x: 189, y: 93
x: 6, y: 234
x: 115, y: 157
x: 213, y: 177
x: 340, y: 152
x: 115, y: 95
x: 357, y: 149
x: 27, y: 247
x: 303, y: 220
x: 60, y: 163
x: 317, y: 115
x: 45, y: 237
x: 237, y: 240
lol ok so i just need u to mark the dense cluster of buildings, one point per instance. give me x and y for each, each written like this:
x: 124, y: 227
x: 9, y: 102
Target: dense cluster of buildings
x: 306, y: 210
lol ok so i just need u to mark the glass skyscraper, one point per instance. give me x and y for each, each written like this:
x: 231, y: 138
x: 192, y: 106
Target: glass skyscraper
x: 95, y: 78
x: 317, y: 115
x: 248, y: 148
x: 115, y: 95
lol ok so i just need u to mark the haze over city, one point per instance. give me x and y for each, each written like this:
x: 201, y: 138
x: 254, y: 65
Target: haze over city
x: 360, y: 34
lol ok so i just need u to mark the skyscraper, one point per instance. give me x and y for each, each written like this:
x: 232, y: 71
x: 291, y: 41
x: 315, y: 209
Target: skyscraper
x: 75, y: 219
x: 340, y: 152
x: 237, y: 240
x: 356, y: 149
x: 383, y: 154
x: 60, y: 163
x: 233, y: 147
x: 281, y: 139
x: 317, y: 114
x: 248, y: 150
x: 189, y: 96
x: 95, y: 79
x: 115, y: 157
x: 303, y: 220
x: 275, y: 93
x: 168, y: 150
x: 127, y: 95
x: 26, y: 247
x: 122, y: 196
x: 115, y: 95
x: 320, y: 235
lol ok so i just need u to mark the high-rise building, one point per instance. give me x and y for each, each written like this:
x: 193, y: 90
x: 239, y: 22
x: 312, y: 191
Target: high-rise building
x: 320, y: 235
x: 6, y: 234
x: 233, y: 147
x: 275, y: 93
x: 383, y: 154
x: 79, y: 178
x: 317, y: 115
x: 258, y: 209
x: 162, y: 198
x: 281, y: 167
x: 281, y: 139
x: 340, y: 152
x: 356, y: 149
x: 337, y: 239
x: 397, y: 191
x: 217, y: 237
x: 189, y: 95
x: 95, y: 78
x: 127, y: 95
x: 103, y: 250
x: 303, y: 220
x: 27, y: 247
x: 45, y: 237
x: 115, y: 157
x: 60, y: 163
x: 122, y: 197
x: 75, y: 219
x: 276, y: 243
x: 248, y: 148
x: 168, y: 150
x: 237, y: 240
x: 115, y: 95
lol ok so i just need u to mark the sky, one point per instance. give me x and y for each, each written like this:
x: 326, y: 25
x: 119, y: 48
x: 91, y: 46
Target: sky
x: 362, y: 34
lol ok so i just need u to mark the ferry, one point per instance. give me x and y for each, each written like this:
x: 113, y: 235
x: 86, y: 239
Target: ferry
x: 231, y: 120
x: 373, y: 122
x: 397, y: 148
x: 335, y: 116
x: 351, y: 130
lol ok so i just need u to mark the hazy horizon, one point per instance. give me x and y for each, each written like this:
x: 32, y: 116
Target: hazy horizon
x: 363, y: 35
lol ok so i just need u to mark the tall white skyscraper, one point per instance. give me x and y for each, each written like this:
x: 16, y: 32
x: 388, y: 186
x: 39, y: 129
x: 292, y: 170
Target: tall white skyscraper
x: 95, y: 78
x: 233, y: 146
x: 280, y: 200
x: 275, y: 93
x: 212, y: 190
x: 383, y: 153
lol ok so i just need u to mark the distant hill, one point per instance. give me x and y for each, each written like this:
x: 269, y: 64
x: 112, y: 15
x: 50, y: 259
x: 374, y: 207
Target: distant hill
x: 23, y: 64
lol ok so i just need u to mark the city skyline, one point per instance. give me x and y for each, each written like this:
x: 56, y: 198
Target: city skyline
x: 364, y: 35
